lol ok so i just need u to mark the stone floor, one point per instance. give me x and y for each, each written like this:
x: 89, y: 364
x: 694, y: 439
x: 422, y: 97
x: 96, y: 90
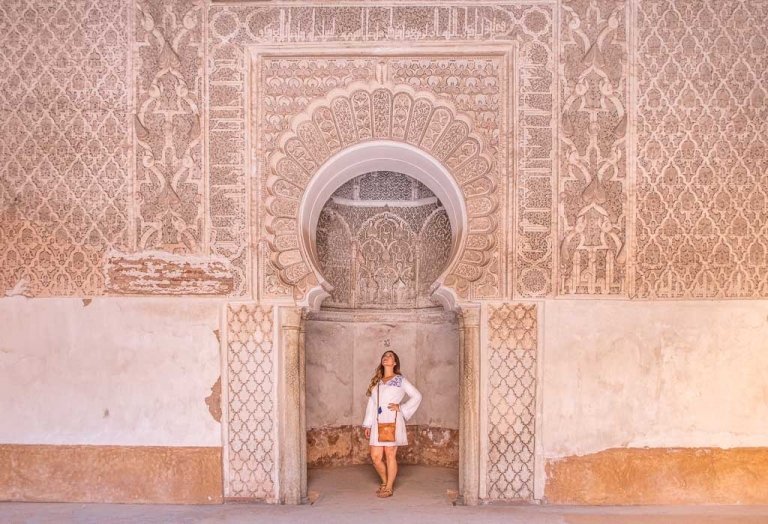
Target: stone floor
x: 346, y: 495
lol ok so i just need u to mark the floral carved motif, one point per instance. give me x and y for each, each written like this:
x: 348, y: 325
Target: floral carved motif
x: 702, y: 154
x: 169, y: 175
x: 382, y: 241
x: 593, y: 152
x: 371, y: 111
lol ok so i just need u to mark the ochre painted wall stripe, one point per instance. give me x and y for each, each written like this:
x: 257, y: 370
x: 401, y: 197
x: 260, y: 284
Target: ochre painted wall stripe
x: 126, y: 474
x: 660, y: 476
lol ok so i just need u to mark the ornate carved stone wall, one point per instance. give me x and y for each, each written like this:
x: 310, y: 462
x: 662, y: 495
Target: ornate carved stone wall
x: 250, y: 449
x: 289, y: 84
x: 702, y: 158
x: 65, y: 176
x: 382, y: 240
x: 512, y: 344
x: 168, y: 125
x: 676, y: 216
x: 593, y: 153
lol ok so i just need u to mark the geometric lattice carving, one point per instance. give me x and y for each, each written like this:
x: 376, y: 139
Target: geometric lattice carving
x: 382, y: 240
x: 702, y: 150
x: 512, y: 334
x: 169, y: 174
x: 371, y: 112
x: 251, y: 406
x: 65, y: 185
x: 593, y: 158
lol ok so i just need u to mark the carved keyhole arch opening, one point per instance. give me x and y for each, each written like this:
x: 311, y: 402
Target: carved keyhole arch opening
x: 377, y: 157
x: 378, y: 127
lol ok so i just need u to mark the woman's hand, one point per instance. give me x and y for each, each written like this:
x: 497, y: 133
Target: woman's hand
x: 394, y: 407
x: 367, y: 432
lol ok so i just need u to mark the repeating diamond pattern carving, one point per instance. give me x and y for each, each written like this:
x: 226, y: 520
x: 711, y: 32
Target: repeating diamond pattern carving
x: 65, y: 183
x: 512, y: 401
x: 702, y: 188
x: 251, y: 440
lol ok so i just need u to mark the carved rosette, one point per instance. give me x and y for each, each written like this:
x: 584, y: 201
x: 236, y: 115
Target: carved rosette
x: 366, y: 111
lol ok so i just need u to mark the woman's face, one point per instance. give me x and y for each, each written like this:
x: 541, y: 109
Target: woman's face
x: 388, y: 359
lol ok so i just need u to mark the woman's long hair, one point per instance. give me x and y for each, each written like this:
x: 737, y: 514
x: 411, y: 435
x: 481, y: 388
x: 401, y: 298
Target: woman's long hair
x: 380, y: 372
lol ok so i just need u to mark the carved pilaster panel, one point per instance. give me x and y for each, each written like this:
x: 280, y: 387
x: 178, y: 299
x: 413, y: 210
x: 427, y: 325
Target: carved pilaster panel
x: 251, y: 453
x: 512, y: 340
x: 593, y: 152
x: 168, y: 125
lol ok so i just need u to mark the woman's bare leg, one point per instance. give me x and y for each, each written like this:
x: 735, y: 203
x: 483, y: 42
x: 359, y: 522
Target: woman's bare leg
x: 391, y: 453
x: 377, y: 455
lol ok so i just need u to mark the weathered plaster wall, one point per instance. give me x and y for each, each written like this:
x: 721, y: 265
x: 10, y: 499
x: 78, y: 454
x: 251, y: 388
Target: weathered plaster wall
x: 110, y: 371
x: 656, y: 374
x: 342, y: 353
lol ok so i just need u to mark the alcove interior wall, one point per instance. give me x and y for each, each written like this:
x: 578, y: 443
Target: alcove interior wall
x: 342, y: 351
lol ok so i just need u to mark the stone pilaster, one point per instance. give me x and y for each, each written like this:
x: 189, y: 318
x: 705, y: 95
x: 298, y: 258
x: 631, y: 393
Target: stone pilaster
x: 469, y: 402
x: 291, y: 432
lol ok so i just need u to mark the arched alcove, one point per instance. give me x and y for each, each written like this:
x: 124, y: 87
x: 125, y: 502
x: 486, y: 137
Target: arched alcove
x: 380, y: 242
x: 381, y: 156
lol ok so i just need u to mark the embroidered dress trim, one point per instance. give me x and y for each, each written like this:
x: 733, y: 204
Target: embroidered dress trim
x: 397, y: 380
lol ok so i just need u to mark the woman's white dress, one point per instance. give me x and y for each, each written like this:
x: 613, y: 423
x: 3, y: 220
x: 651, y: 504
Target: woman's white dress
x: 391, y: 392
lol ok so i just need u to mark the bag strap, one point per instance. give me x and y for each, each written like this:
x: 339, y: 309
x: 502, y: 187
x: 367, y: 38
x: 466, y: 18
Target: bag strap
x: 378, y: 406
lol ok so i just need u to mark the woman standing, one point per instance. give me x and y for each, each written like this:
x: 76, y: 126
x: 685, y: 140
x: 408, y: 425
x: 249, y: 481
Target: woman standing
x: 385, y: 392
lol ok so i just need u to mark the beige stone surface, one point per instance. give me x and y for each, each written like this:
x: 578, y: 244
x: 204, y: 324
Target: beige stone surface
x: 343, y: 352
x: 114, y: 371
x: 659, y: 374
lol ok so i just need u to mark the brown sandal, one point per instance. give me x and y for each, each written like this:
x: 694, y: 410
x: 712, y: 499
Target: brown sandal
x: 381, y: 487
x: 384, y: 493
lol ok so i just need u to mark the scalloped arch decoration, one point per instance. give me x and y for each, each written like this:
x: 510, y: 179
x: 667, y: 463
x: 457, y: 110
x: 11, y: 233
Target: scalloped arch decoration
x: 367, y: 112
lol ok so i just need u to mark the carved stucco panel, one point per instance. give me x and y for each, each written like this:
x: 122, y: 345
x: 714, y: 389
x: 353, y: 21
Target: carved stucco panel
x: 251, y: 447
x: 234, y: 28
x: 65, y: 175
x: 702, y: 154
x: 512, y: 345
x: 168, y: 126
x: 437, y: 129
x: 593, y: 152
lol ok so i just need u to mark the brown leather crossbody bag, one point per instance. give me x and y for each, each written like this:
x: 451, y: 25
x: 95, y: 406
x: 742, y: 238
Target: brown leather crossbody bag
x: 386, y: 430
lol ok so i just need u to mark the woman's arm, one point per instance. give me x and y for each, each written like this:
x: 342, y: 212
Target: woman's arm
x: 414, y: 399
x: 370, y: 412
